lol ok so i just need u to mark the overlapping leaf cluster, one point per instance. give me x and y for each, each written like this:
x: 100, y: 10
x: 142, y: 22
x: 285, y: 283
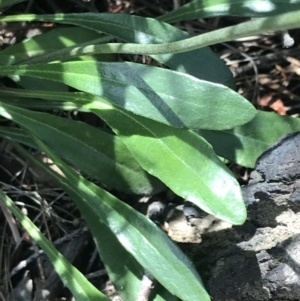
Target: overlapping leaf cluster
x: 170, y: 127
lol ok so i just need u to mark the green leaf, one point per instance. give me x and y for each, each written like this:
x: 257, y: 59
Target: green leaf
x: 281, y: 22
x: 184, y: 161
x: 193, y: 170
x: 136, y: 29
x: 79, y: 286
x: 199, y: 9
x: 17, y: 135
x: 5, y: 3
x: 33, y: 83
x: 166, y: 96
x: 7, y: 59
x: 123, y: 270
x: 50, y: 41
x: 35, y: 99
x: 201, y: 63
x: 125, y: 274
x: 244, y: 144
x: 96, y: 153
x: 148, y: 245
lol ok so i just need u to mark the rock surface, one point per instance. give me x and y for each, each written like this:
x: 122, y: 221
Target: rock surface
x: 259, y: 260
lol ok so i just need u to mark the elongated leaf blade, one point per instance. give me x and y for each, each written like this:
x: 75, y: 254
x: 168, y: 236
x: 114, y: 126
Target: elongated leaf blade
x: 148, y: 245
x: 244, y: 144
x: 124, y: 271
x: 183, y: 161
x: 80, y: 287
x: 198, y: 9
x: 198, y: 174
x: 35, y: 99
x: 125, y: 274
x: 241, y: 145
x: 4, y: 3
x: 96, y: 153
x: 16, y: 135
x: 166, y: 96
x: 50, y: 41
x: 201, y: 63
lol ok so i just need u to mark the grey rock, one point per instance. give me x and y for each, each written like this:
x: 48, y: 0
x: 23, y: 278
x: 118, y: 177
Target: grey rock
x: 259, y: 260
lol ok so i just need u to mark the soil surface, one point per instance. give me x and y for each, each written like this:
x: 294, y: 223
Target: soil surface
x: 256, y: 261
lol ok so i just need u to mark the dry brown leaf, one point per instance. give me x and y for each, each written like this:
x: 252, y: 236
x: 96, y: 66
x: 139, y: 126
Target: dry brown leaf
x: 275, y: 104
x: 119, y: 7
x: 294, y: 66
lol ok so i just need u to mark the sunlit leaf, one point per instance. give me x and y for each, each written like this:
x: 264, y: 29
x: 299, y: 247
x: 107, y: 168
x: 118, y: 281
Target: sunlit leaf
x: 50, y: 41
x: 181, y: 159
x: 148, y: 245
x: 184, y: 161
x: 201, y: 63
x: 166, y: 96
x: 199, y: 9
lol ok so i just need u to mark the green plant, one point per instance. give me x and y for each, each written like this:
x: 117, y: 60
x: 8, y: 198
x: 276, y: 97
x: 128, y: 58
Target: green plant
x: 161, y: 119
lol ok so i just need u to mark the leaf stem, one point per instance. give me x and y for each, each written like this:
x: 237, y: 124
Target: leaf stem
x: 280, y: 22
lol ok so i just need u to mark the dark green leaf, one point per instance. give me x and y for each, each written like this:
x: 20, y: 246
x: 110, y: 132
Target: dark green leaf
x: 4, y: 3
x: 148, y: 245
x: 244, y: 144
x: 201, y: 63
x: 183, y: 161
x: 79, y: 286
x: 50, y: 41
x: 126, y: 274
x: 166, y: 96
x: 96, y: 153
x: 199, y: 9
